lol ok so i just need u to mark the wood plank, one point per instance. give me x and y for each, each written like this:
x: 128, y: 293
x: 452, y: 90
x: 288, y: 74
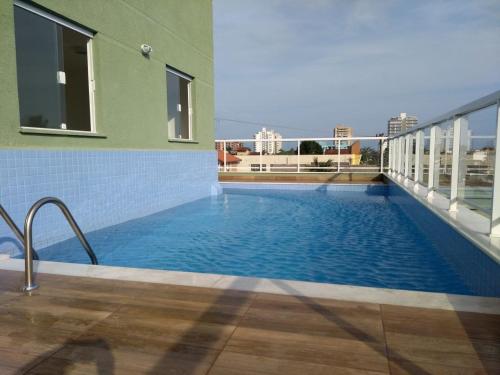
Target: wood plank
x: 330, y: 351
x: 307, y: 304
x: 38, y: 329
x: 441, y: 323
x: 229, y: 363
x: 444, y: 351
x: 98, y: 356
x: 417, y: 368
x: 13, y: 360
x: 151, y: 330
x: 327, y: 324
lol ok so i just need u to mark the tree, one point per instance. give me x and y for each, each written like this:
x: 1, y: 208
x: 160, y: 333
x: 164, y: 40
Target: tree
x: 369, y: 156
x: 310, y: 148
x: 291, y: 151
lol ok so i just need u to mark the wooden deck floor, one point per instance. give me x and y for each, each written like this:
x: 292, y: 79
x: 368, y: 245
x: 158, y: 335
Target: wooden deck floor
x: 92, y: 326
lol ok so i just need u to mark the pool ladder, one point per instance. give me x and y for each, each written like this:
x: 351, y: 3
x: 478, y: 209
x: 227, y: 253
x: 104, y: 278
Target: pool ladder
x: 15, y: 229
x: 27, y: 238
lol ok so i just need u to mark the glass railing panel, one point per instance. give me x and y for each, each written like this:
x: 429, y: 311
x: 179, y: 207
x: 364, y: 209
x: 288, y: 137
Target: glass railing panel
x: 425, y: 158
x: 412, y: 157
x: 480, y: 160
x: 445, y: 158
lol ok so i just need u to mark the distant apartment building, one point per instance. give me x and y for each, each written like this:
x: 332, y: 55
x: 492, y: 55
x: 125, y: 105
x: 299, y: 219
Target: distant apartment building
x: 342, y: 131
x: 400, y: 124
x: 270, y: 141
x: 234, y: 146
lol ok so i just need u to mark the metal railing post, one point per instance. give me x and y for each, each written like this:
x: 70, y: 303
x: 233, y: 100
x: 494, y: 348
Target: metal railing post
x: 397, y: 156
x: 338, y: 156
x: 260, y: 157
x: 394, y: 156
x: 390, y: 155
x: 298, y: 156
x: 383, y: 146
x: 434, y: 160
x: 401, y: 156
x: 419, y: 156
x: 458, y: 168
x: 270, y: 151
x: 225, y: 158
x: 408, y: 155
x: 495, y: 204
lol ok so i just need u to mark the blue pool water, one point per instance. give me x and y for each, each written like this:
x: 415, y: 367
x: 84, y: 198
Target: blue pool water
x: 363, y: 237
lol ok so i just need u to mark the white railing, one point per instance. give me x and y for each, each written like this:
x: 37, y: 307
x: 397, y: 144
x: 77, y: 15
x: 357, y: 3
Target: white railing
x: 448, y: 165
x: 303, y: 155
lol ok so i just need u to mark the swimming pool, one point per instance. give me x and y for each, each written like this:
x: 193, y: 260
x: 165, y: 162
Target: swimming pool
x: 373, y: 235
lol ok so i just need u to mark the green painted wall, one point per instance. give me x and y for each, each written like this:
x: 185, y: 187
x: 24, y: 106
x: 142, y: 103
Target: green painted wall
x: 130, y: 95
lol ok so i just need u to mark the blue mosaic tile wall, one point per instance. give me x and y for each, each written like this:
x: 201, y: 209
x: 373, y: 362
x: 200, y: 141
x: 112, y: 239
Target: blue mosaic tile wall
x: 458, y: 251
x: 365, y: 188
x: 101, y: 188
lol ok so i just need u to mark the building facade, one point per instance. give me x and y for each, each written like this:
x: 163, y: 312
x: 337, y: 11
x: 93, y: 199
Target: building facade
x: 342, y: 131
x: 270, y: 141
x: 107, y: 105
x: 400, y: 124
x: 234, y: 146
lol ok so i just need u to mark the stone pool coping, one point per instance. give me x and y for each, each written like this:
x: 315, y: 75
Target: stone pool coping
x: 443, y: 301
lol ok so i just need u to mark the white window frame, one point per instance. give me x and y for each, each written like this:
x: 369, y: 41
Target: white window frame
x: 90, y: 67
x: 190, y: 103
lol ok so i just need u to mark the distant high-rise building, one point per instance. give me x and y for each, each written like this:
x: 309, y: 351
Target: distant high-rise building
x: 342, y: 131
x: 400, y: 124
x: 273, y: 141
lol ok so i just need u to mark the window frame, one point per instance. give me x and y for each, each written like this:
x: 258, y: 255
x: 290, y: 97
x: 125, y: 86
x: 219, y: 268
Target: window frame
x: 90, y: 71
x: 190, y: 79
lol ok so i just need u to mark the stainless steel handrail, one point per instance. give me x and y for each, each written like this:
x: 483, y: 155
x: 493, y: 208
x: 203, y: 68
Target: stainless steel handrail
x: 29, y: 283
x: 15, y: 229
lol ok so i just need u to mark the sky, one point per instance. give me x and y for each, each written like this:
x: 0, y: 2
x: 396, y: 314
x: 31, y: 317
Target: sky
x: 303, y: 66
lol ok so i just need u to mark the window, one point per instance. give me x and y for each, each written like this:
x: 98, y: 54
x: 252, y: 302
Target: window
x: 256, y: 167
x: 54, y: 74
x: 179, y: 108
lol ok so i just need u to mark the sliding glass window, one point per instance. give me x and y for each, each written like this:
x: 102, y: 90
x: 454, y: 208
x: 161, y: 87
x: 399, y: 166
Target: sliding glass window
x: 179, y: 107
x: 54, y: 74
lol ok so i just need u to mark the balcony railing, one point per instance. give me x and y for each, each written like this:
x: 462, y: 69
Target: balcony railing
x: 303, y: 155
x: 454, y: 156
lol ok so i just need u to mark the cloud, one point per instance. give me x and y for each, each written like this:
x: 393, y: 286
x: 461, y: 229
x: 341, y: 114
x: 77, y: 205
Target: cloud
x: 313, y: 64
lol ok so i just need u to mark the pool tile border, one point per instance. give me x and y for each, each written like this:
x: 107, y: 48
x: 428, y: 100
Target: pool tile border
x: 361, y: 187
x: 443, y: 301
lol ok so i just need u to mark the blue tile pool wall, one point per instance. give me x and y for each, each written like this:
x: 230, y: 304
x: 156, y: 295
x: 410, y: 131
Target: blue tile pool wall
x: 375, y: 189
x: 101, y: 188
x: 459, y: 252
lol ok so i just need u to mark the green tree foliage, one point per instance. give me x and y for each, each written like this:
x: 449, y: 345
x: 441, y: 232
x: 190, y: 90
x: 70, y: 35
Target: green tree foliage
x: 291, y: 151
x: 369, y: 156
x: 310, y: 148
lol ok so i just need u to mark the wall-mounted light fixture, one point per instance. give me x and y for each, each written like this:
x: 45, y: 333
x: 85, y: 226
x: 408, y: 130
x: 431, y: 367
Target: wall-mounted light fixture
x: 146, y: 49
